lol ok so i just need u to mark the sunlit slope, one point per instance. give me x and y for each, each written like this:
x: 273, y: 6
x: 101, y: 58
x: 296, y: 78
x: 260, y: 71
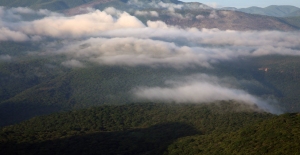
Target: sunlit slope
x: 126, y: 129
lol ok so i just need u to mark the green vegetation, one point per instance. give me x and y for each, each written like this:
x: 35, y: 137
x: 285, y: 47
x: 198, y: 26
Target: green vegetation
x: 294, y: 21
x: 152, y: 128
x: 35, y: 86
x: 125, y: 129
x: 273, y: 10
x: 278, y: 135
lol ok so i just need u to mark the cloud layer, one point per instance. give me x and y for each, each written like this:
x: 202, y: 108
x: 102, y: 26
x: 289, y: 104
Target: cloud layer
x: 116, y: 38
x: 200, y: 89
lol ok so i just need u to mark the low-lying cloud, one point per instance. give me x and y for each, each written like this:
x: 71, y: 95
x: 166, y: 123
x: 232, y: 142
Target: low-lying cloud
x: 114, y: 37
x: 201, y: 89
x: 61, y: 26
x: 5, y: 58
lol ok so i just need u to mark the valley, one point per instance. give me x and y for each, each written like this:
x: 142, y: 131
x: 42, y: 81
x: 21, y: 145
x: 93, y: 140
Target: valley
x: 147, y: 77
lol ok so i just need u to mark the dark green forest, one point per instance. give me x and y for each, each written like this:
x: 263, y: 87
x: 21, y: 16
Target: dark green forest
x: 152, y: 128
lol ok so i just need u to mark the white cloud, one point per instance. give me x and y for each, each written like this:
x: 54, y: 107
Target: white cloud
x: 200, y: 17
x: 213, y: 5
x: 213, y: 15
x: 146, y: 13
x: 7, y: 35
x: 73, y: 64
x: 22, y: 10
x: 113, y: 37
x: 157, y: 25
x: 112, y: 11
x: 132, y: 52
x: 5, y: 58
x: 160, y: 44
x: 79, y: 25
x: 60, y: 26
x: 202, y: 89
x: 118, y: 38
x: 154, y: 4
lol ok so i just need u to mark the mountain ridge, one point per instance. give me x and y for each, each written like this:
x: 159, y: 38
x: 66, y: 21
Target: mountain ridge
x: 272, y: 10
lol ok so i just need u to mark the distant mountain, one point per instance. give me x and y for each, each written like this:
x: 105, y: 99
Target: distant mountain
x: 294, y: 14
x: 295, y: 21
x: 190, y: 14
x: 230, y: 20
x: 273, y: 10
x: 229, y: 8
x: 56, y: 5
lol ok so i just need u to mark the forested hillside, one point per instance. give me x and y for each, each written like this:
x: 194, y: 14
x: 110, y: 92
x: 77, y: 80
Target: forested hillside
x: 43, y: 89
x: 215, y: 128
x: 278, y: 135
x: 127, y: 129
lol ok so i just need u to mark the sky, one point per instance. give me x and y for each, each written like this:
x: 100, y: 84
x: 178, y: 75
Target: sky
x: 247, y: 3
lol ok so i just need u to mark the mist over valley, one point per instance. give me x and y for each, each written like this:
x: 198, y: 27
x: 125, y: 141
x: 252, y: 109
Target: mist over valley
x: 144, y: 58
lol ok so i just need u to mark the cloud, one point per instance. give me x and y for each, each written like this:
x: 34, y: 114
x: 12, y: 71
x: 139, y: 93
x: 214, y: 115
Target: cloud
x: 132, y: 52
x: 22, y: 10
x: 213, y: 15
x: 213, y: 5
x: 112, y: 11
x: 72, y: 64
x: 146, y: 13
x: 200, y: 17
x: 160, y: 44
x: 60, y: 26
x: 10, y: 35
x: 16, y: 14
x: 153, y: 4
x: 5, y: 58
x: 118, y: 38
x: 200, y: 89
x: 79, y: 25
x: 157, y: 25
